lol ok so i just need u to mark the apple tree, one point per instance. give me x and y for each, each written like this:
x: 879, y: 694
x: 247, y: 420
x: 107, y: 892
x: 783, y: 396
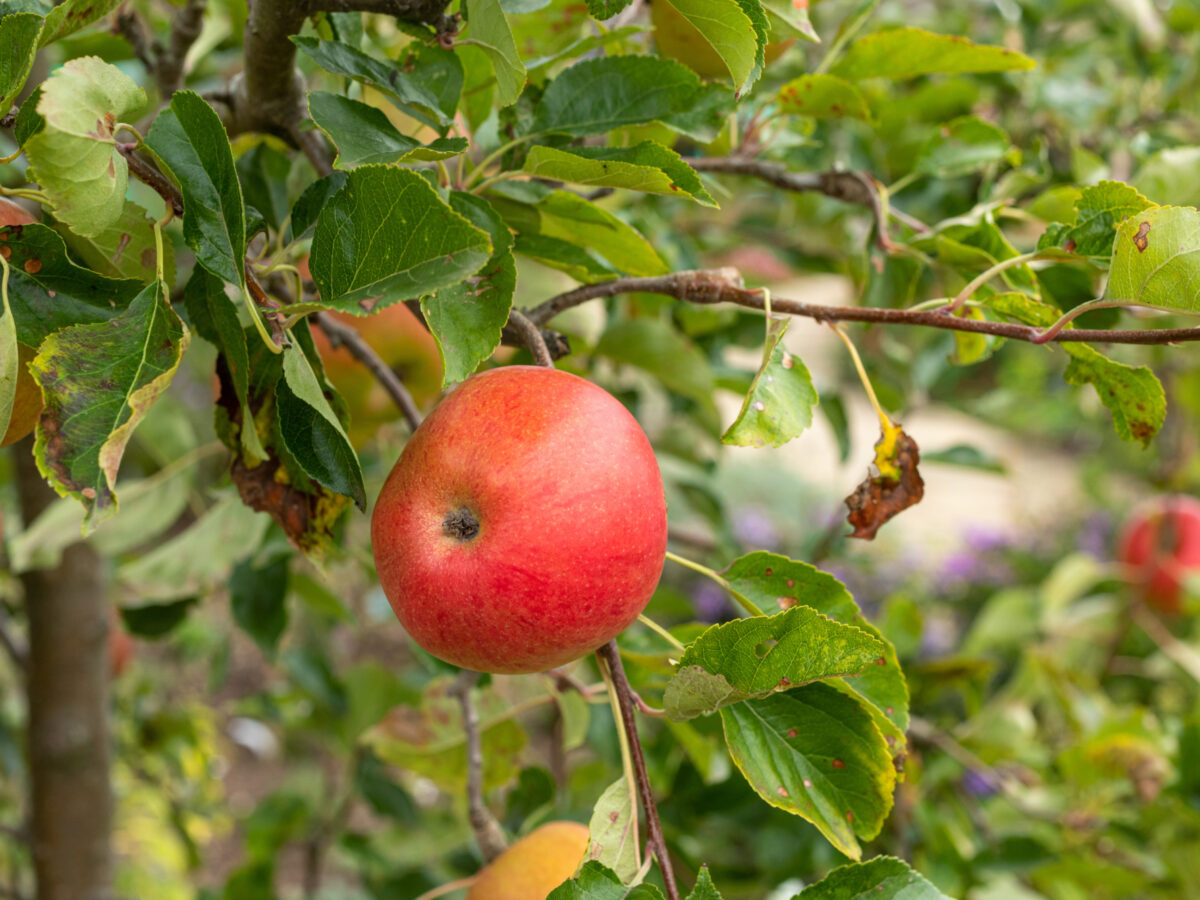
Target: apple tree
x: 246, y: 248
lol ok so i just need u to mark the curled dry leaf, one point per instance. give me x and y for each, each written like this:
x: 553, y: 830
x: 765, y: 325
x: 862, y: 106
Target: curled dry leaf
x: 893, y: 486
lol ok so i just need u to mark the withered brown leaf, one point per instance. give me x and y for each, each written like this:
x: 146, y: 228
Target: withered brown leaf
x: 894, y: 485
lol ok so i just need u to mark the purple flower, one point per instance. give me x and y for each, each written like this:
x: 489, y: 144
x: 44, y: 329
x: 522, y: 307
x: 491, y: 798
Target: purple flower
x: 752, y: 526
x: 979, y: 784
x: 711, y: 601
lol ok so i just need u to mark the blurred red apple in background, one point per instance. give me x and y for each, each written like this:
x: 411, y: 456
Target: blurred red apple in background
x: 525, y: 523
x: 402, y: 342
x: 1161, y: 543
x: 27, y: 402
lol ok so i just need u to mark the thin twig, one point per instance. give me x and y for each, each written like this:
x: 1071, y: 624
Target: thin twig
x: 532, y: 337
x: 626, y: 699
x: 488, y: 834
x: 345, y: 336
x: 847, y: 186
x: 149, y: 175
x: 715, y: 286
x: 313, y: 144
x: 270, y: 308
x: 1172, y: 648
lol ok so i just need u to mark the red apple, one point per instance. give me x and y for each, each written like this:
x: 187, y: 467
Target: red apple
x: 1161, y: 543
x: 27, y: 402
x: 524, y: 524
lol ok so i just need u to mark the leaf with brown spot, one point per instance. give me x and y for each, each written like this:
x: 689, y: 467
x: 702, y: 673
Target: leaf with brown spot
x: 895, y: 487
x: 98, y: 382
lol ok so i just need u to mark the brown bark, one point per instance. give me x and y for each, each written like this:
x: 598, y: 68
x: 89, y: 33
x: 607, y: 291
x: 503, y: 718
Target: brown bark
x: 67, y: 688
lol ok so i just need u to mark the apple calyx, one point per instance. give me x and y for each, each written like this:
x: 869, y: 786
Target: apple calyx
x: 460, y: 524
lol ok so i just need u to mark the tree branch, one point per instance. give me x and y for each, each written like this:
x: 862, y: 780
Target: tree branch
x: 626, y: 700
x: 848, y: 186
x: 344, y: 336
x: 165, y: 64
x: 708, y: 286
x: 531, y: 337
x: 488, y: 834
x: 150, y: 176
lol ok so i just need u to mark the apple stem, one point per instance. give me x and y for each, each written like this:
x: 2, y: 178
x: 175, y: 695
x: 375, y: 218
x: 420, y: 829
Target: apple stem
x: 488, y: 833
x: 745, y: 602
x: 661, y: 632
x: 532, y: 337
x: 611, y: 656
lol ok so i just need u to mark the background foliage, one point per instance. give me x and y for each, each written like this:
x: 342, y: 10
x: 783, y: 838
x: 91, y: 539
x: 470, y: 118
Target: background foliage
x: 1015, y: 725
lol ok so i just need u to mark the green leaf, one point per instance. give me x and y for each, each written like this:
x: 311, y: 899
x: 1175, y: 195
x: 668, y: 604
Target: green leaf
x: 648, y: 167
x: 364, y: 135
x: 18, y: 45
x: 761, y: 655
x: 197, y: 560
x: 466, y: 318
x: 599, y: 95
x: 823, y: 97
x: 1170, y: 176
x: 903, y: 53
x: 612, y: 831
x: 1133, y: 394
x: 882, y: 878
x: 776, y: 582
x: 438, y: 70
x: 1156, y: 260
x: 1098, y: 212
x: 596, y: 881
x: 313, y: 200
x: 781, y: 400
x: 126, y: 249
x: 563, y: 216
x: 257, y: 596
x: 312, y: 433
x: 790, y: 19
x: 817, y: 754
x: 429, y: 740
x: 70, y: 16
x: 963, y: 145
x: 606, y: 9
x: 405, y: 92
x: 584, y: 45
x: 728, y: 29
x: 263, y: 173
x: 29, y: 122
x: 215, y: 318
x: 155, y: 620
x: 656, y: 347
x: 704, y: 889
x: 49, y: 292
x: 74, y: 156
x: 98, y: 382
x: 569, y: 258
x: 388, y: 235
x: 191, y: 142
x: 488, y: 27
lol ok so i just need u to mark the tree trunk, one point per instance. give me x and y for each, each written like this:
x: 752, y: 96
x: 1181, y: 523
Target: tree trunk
x: 67, y: 688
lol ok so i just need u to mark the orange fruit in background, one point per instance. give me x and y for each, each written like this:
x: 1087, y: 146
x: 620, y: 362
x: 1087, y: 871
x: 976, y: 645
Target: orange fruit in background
x: 535, y: 865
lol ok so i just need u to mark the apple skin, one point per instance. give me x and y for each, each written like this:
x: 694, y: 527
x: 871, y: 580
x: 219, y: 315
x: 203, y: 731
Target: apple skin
x: 1161, y: 541
x: 524, y: 524
x: 533, y: 866
x: 121, y: 648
